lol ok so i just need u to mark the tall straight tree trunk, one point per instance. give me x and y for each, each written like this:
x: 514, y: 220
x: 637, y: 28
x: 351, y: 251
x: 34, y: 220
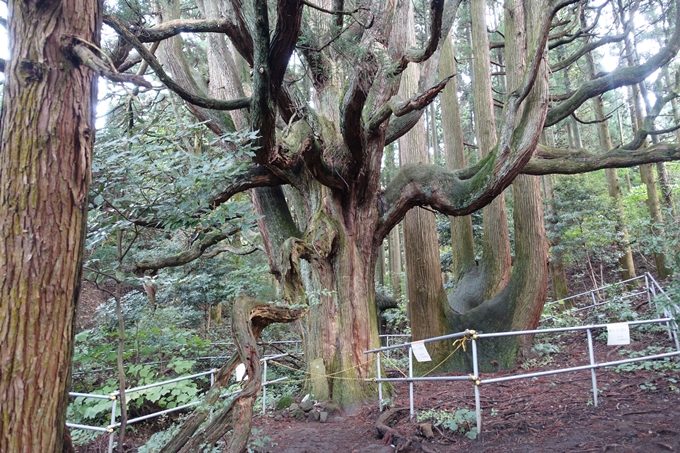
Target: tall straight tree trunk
x: 485, y: 281
x: 519, y: 302
x: 462, y: 240
x: 47, y: 127
x: 394, y: 239
x: 626, y: 259
x: 560, y: 286
x: 425, y: 288
x: 529, y: 281
x: 496, y: 260
x: 646, y: 170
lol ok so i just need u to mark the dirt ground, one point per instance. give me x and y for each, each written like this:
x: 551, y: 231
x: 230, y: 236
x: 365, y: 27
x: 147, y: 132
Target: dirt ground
x: 637, y: 411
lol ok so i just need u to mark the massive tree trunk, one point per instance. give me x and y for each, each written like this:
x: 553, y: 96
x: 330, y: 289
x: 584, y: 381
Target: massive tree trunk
x: 496, y: 260
x: 519, y: 303
x: 47, y: 128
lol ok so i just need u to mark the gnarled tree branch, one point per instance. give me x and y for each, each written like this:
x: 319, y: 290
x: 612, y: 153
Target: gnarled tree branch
x: 569, y: 161
x: 92, y: 61
x: 400, y: 108
x: 255, y: 176
x: 249, y: 319
x: 618, y: 78
x: 187, y: 256
x: 200, y: 101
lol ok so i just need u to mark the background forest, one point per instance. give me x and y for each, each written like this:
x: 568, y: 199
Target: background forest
x: 308, y: 167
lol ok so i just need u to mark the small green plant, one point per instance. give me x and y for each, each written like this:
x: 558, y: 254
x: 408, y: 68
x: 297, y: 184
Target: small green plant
x: 545, y: 349
x: 258, y: 441
x: 314, y: 297
x: 387, y: 402
x: 648, y: 387
x: 461, y: 421
x: 536, y: 363
x: 665, y: 364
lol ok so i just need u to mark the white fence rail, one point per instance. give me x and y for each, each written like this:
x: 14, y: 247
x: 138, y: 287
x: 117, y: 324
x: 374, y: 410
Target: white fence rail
x: 652, y: 287
x: 113, y: 396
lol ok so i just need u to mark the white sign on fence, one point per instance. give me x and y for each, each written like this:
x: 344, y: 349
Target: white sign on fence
x: 618, y: 333
x: 420, y: 352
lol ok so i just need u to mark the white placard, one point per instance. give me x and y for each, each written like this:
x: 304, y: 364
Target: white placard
x: 420, y: 352
x: 618, y: 333
x: 240, y: 372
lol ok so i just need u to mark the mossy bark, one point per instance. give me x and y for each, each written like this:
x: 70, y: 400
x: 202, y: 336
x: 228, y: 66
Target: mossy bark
x: 519, y: 303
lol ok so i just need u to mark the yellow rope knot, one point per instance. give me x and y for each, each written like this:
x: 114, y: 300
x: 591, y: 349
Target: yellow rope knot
x: 459, y: 343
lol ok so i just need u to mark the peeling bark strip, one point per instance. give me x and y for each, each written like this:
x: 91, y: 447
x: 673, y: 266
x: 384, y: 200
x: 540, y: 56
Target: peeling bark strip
x: 249, y: 319
x: 47, y: 129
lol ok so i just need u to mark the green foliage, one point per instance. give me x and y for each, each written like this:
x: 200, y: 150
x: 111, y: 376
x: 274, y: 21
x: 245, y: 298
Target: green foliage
x: 461, y: 421
x: 258, y: 441
x: 158, y: 440
x: 665, y: 364
x: 585, y: 226
x: 161, y: 345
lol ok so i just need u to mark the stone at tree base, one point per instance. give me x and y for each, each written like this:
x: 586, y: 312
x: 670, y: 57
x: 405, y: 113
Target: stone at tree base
x: 323, y: 416
x: 293, y: 407
x: 331, y: 407
x: 284, y: 402
x: 426, y: 429
x: 314, y: 416
x: 306, y: 405
x: 319, y: 380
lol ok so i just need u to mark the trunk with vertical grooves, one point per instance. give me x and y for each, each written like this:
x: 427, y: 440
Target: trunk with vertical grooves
x: 47, y: 127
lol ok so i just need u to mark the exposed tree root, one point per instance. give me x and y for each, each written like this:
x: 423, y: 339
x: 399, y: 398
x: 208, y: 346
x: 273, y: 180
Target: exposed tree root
x: 391, y: 436
x: 249, y: 318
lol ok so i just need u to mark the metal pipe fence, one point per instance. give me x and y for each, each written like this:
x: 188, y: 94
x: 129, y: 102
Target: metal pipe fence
x: 113, y: 396
x: 473, y: 337
x: 296, y: 343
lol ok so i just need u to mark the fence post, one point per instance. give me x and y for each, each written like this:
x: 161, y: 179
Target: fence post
x: 212, y: 382
x: 475, y: 370
x: 592, y: 362
x: 264, y: 387
x: 410, y: 382
x: 380, y: 398
x: 113, y: 421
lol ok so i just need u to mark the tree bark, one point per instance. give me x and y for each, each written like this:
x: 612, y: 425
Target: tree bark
x: 496, y: 260
x: 560, y: 286
x: 425, y: 288
x: 47, y: 127
x: 462, y: 240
